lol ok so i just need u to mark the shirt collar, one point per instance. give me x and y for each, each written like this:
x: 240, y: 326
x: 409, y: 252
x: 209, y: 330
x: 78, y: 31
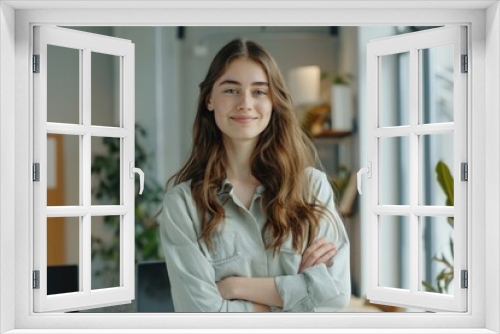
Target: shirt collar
x: 226, y: 188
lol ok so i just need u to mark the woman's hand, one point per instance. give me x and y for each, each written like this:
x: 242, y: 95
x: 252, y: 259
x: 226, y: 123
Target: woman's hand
x: 227, y: 288
x: 320, y: 251
x: 260, y: 307
x: 259, y: 290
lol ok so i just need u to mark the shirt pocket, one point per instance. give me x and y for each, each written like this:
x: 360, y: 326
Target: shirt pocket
x: 225, y: 249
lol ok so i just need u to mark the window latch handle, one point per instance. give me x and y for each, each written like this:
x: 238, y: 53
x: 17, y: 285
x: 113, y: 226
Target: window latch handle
x: 362, y: 171
x: 141, y: 175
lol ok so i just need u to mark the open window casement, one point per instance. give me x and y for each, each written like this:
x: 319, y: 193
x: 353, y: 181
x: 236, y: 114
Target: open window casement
x: 81, y: 213
x: 412, y: 198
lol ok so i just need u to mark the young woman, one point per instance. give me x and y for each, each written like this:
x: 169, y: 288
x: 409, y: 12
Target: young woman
x: 251, y: 225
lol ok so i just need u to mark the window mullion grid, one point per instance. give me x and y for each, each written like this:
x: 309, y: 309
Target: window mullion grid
x: 85, y: 170
x: 414, y: 172
x: 80, y: 130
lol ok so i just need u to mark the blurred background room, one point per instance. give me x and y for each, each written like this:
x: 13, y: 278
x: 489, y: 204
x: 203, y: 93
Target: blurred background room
x: 325, y: 71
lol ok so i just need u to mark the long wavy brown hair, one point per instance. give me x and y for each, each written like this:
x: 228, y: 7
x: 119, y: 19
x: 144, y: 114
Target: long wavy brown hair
x: 281, y: 155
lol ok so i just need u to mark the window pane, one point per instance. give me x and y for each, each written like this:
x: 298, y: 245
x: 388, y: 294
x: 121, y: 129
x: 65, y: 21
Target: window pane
x: 106, y: 183
x: 437, y: 169
x: 63, y: 85
x: 394, y: 251
x: 394, y: 170
x: 437, y: 254
x: 63, y: 170
x: 105, y: 252
x: 105, y: 89
x: 437, y: 84
x: 63, y: 254
x: 394, y: 90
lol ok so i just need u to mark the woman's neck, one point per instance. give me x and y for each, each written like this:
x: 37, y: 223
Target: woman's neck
x: 238, y: 160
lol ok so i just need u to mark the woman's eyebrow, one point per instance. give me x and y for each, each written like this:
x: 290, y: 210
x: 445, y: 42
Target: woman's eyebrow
x: 234, y: 82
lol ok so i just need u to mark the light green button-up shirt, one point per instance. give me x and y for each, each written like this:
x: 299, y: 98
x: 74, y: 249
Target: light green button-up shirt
x: 238, y: 250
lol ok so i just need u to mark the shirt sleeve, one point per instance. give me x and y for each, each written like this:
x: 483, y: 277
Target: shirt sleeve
x: 321, y: 288
x: 192, y: 277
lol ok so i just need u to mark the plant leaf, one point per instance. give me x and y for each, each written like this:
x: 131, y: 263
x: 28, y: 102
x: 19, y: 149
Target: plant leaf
x: 452, y: 248
x: 428, y: 286
x: 445, y: 180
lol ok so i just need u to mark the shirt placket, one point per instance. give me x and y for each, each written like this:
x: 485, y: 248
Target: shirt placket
x: 256, y: 216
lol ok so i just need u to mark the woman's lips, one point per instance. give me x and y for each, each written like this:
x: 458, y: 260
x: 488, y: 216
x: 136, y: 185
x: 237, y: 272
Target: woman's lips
x: 242, y: 120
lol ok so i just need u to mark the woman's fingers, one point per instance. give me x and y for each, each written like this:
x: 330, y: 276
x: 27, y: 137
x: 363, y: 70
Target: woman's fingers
x: 320, y: 251
x: 308, y: 257
x: 328, y: 256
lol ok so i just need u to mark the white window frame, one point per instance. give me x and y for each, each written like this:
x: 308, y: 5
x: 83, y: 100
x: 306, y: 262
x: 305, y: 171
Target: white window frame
x: 85, y: 43
x: 483, y: 21
x: 413, y: 43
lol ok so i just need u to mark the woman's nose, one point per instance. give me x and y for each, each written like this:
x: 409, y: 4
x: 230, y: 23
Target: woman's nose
x: 245, y: 102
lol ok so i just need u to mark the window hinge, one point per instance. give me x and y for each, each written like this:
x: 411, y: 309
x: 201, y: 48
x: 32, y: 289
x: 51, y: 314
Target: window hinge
x: 465, y: 64
x: 36, y: 63
x: 36, y: 279
x: 36, y: 172
x: 464, y: 171
x: 465, y: 279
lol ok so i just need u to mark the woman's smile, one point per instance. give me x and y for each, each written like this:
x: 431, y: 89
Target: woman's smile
x: 243, y: 119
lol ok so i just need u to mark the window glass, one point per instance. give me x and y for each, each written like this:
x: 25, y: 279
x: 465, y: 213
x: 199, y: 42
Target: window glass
x: 394, y: 252
x: 105, y: 89
x: 106, y: 171
x: 437, y: 169
x: 437, y: 254
x: 63, y: 170
x: 437, y: 85
x: 63, y: 85
x: 63, y: 259
x: 394, y: 80
x: 395, y: 170
x: 105, y: 252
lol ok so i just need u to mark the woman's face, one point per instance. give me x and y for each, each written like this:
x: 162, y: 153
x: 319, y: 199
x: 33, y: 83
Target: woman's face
x: 241, y: 102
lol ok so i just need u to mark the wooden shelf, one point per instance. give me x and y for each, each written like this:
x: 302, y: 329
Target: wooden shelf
x: 330, y: 137
x: 332, y: 134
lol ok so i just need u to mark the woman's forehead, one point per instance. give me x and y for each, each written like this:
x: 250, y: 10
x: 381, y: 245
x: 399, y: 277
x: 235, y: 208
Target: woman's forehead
x: 244, y: 69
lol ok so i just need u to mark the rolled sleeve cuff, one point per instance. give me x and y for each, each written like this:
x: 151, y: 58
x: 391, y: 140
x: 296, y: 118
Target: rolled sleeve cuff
x: 237, y: 306
x: 303, y: 292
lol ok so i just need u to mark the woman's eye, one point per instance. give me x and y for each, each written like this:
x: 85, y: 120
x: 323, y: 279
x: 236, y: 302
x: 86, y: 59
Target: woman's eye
x: 260, y: 92
x: 231, y: 91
